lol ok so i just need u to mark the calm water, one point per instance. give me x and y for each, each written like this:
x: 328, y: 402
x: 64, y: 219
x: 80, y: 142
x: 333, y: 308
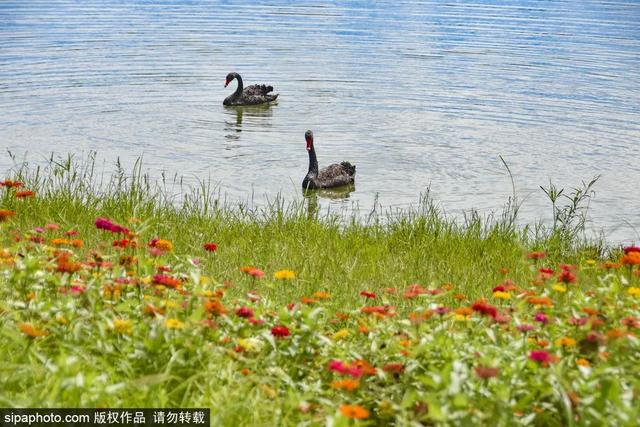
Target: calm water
x: 416, y: 94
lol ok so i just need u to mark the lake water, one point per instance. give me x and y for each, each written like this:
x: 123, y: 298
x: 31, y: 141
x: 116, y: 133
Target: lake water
x: 416, y: 94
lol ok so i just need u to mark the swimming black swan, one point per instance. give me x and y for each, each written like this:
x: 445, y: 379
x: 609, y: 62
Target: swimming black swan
x: 251, y: 95
x: 335, y: 175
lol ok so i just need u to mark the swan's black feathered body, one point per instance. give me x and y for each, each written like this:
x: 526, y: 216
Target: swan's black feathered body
x: 250, y: 95
x: 336, y: 175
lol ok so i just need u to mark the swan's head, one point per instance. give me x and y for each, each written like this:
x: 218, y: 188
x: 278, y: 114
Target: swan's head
x: 308, y: 135
x: 230, y: 77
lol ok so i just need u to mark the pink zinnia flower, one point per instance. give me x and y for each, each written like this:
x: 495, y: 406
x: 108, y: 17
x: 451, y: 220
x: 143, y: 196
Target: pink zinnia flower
x: 541, y: 356
x: 105, y: 224
x: 525, y: 328
x: 345, y: 369
x: 156, y: 252
x: 542, y: 318
x: 442, y: 310
x: 256, y: 273
x: 337, y: 366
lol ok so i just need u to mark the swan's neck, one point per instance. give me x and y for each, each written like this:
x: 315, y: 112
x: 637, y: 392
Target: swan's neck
x: 239, y: 89
x: 313, y: 162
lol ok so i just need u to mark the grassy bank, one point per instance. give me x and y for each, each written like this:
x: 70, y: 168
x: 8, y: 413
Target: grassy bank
x: 291, y: 318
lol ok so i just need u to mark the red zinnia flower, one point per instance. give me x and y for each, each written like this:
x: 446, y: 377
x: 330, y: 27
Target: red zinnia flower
x: 414, y: 291
x: 485, y: 308
x: 567, y: 276
x: 368, y: 294
x: 486, y: 372
x: 536, y: 255
x: 280, y: 331
x: 210, y: 247
x: 395, y: 368
x: 545, y: 273
x: 630, y: 249
x: 245, y: 312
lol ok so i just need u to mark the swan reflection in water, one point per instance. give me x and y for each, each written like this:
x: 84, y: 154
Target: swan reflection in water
x: 337, y: 194
x: 234, y: 115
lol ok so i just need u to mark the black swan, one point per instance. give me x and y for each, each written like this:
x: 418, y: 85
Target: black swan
x: 251, y: 95
x: 335, y: 175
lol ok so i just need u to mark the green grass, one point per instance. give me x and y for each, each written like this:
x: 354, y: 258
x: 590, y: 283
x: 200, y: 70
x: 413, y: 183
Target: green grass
x: 84, y: 360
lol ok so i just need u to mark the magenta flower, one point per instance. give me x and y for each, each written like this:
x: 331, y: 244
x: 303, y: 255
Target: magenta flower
x: 442, y: 310
x: 542, y: 318
x: 345, y: 369
x: 541, y: 356
x: 105, y: 224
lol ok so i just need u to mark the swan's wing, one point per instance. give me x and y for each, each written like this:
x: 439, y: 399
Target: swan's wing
x: 257, y: 94
x: 336, y: 175
x: 257, y: 90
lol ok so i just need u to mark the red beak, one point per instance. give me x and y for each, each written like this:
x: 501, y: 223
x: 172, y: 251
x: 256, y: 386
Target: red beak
x: 309, y: 144
x: 226, y: 83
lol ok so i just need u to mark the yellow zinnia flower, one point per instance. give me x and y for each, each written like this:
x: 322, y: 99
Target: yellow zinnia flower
x: 123, y: 326
x: 342, y: 333
x: 321, y: 295
x: 173, y: 324
x: 633, y: 291
x: 565, y: 342
x: 583, y: 362
x: 501, y: 295
x: 559, y: 288
x: 164, y: 245
x: 284, y: 275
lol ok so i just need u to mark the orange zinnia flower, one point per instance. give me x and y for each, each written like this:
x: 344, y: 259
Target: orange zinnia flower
x: 11, y: 184
x: 631, y: 258
x: 163, y: 245
x: 215, y: 307
x: 29, y: 330
x: 24, y: 193
x: 354, y: 411
x: 346, y: 384
x: 163, y: 279
x: 6, y: 213
x: 540, y: 301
